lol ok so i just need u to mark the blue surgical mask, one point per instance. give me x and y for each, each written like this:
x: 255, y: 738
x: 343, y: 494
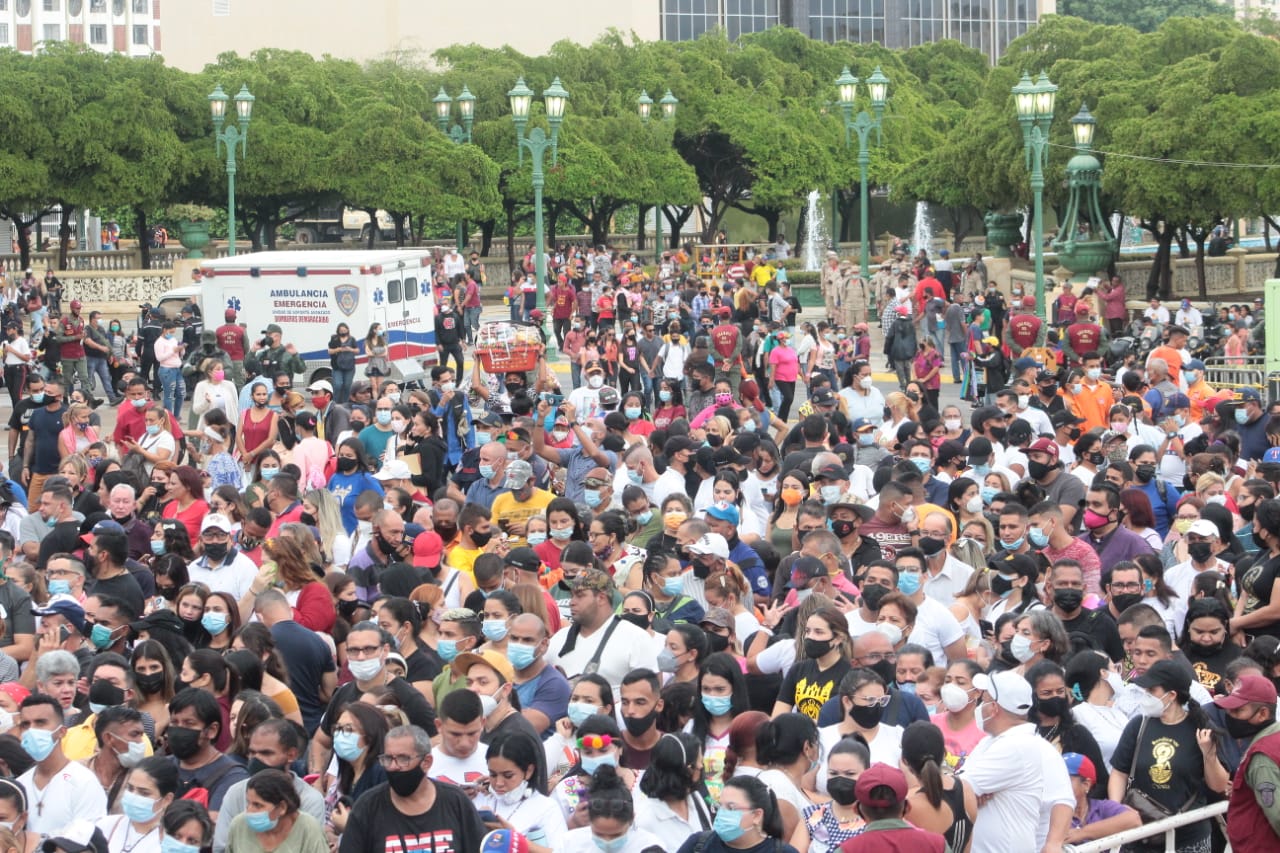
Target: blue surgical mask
x: 673, y: 586
x: 562, y: 533
x: 909, y: 583
x: 447, y: 649
x: 989, y: 494
x: 535, y: 539
x: 981, y: 470
x: 908, y: 687
x: 520, y: 655
x: 482, y: 438
x: 347, y: 745
x: 923, y: 464
x: 590, y: 764
x: 37, y: 743
x: 635, y: 477
x: 268, y: 474
x: 137, y: 808
x: 632, y: 413
x: 728, y: 825
x: 830, y: 494
x: 1039, y: 539
x: 169, y: 844
x: 61, y: 587
x: 153, y: 429
x: 100, y: 636
x: 1014, y: 545
x: 579, y: 711
x: 494, y: 629
x: 866, y: 439
x: 664, y: 396
x: 213, y: 622
x: 38, y: 397
x: 383, y: 416
x: 717, y: 706
x: 157, y: 548
x: 644, y: 518
x: 612, y: 845
x: 1242, y: 417
x: 591, y: 497
x: 487, y: 472
x: 260, y: 821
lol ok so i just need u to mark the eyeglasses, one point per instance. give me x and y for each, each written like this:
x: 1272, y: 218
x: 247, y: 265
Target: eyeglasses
x: 361, y: 652
x: 1130, y: 586
x: 347, y: 730
x: 399, y: 762
x: 871, y: 701
x: 872, y: 657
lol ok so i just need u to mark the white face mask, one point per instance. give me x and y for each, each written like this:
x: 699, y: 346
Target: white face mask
x: 891, y: 632
x: 866, y: 383
x: 559, y: 435
x: 595, y: 381
x: 952, y: 424
x: 973, y: 506
x: 1151, y: 706
x: 1024, y: 400
x: 954, y: 697
x: 398, y: 426
x: 364, y: 528
x: 515, y: 795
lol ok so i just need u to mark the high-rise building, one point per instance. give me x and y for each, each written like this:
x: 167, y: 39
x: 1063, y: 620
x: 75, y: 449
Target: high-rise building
x: 986, y: 25
x: 131, y: 27
x: 1256, y: 8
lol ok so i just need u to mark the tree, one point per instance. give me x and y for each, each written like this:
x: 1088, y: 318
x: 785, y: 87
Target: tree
x: 1143, y: 15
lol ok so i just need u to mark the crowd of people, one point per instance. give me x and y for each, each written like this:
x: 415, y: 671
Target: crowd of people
x: 656, y: 613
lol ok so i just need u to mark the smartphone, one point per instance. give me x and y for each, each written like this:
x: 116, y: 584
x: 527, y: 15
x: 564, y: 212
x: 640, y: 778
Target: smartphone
x: 64, y: 632
x: 487, y: 816
x: 552, y: 399
x: 158, y: 602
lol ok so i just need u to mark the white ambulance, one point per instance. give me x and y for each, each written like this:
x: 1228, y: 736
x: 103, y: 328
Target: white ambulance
x: 308, y: 293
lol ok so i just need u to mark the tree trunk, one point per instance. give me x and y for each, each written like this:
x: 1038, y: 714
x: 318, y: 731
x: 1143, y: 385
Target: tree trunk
x: 399, y: 220
x: 1266, y: 234
x: 144, y: 246
x: 641, y: 211
x: 802, y: 225
x: 373, y: 225
x: 1184, y: 250
x: 1164, y: 262
x: 270, y: 229
x: 65, y: 233
x: 771, y: 218
x: 486, y: 237
x: 676, y: 218
x: 1200, y: 237
x: 553, y: 219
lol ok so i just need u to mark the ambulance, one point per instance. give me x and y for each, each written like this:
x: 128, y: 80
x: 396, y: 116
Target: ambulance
x: 308, y: 293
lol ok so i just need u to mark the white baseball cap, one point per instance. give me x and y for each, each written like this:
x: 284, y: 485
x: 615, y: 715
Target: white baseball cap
x: 1008, y: 689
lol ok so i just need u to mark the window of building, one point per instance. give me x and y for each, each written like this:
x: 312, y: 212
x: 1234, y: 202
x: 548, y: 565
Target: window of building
x: 971, y: 23
x: 23, y: 8
x: 687, y: 19
x: 4, y: 34
x: 97, y: 34
x: 97, y: 5
x: 221, y: 8
x: 52, y: 32
x: 52, y: 5
x: 141, y: 7
x: 859, y: 21
x: 923, y: 22
x: 140, y: 34
x: 749, y: 16
x: 1012, y: 19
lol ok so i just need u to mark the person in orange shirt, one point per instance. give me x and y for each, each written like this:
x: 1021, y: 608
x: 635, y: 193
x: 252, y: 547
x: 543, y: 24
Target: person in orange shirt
x: 1096, y: 397
x: 1171, y: 352
x: 1198, y: 390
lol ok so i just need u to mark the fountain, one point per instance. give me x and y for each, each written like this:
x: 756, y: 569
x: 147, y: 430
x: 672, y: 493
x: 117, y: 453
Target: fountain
x: 922, y: 233
x: 815, y: 240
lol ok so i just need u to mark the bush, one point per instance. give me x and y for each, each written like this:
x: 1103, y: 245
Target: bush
x: 804, y: 277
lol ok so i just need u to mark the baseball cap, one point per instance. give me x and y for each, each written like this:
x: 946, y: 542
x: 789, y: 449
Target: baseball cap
x: 396, y: 469
x: 596, y: 580
x: 1013, y: 563
x: 229, y: 314
x: 881, y: 786
x: 1249, y: 395
x: 823, y: 397
x: 725, y: 511
x: 1023, y: 363
x: 718, y: 616
x: 216, y: 520
x: 519, y: 473
x: 66, y: 607
x: 104, y: 526
x: 428, y: 547
x: 489, y: 657
x: 1044, y: 445
x: 676, y: 444
x: 1008, y: 689
x: 1028, y: 302
x: 805, y: 569
x: 598, y: 478
x: 712, y: 544
x: 79, y: 836
x: 524, y: 559
x: 950, y: 450
x: 1272, y: 455
x: 831, y: 472
x: 1064, y: 418
x: 593, y: 367
x: 1166, y: 674
x: 729, y: 455
x: 321, y: 385
x: 1249, y: 689
x: 1080, y: 765
x: 488, y: 419
x: 272, y: 328
x: 1195, y: 364
x: 980, y: 448
x: 1203, y: 527
x: 863, y: 424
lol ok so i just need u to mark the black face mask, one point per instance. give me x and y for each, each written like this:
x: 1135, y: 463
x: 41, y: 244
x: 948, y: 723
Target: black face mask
x: 481, y: 539
x: 388, y: 547
x: 873, y: 594
x: 1096, y: 458
x: 1238, y: 729
x: 183, y: 743
x: 347, y: 609
x: 257, y: 765
x: 346, y: 464
x: 1038, y: 470
x: 1055, y: 707
x: 714, y: 440
x: 1247, y: 511
x: 637, y: 726
x: 841, y: 790
x: 999, y: 586
x: 405, y: 782
x: 640, y: 620
x: 700, y: 570
x: 1123, y: 601
x: 1006, y: 654
x: 151, y: 683
x: 216, y: 552
x: 997, y: 433
x: 1145, y: 473
x: 446, y: 531
x: 886, y: 669
x: 814, y: 649
x: 931, y: 545
x: 1201, y: 552
x: 160, y: 488
x: 308, y: 519
x: 717, y: 642
x: 842, y: 527
x: 867, y: 717
x: 1068, y: 600
x: 105, y: 693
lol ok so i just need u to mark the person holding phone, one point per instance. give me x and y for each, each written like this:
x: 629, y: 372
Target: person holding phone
x: 509, y: 798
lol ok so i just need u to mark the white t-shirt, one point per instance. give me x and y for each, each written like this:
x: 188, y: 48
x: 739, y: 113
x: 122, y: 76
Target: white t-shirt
x: 535, y: 815
x: 153, y: 444
x: 1173, y: 468
x: 1105, y: 722
x: 998, y: 766
x: 1039, y: 421
x: 784, y: 789
x: 586, y: 402
x: 73, y: 793
x: 670, y: 829
x: 234, y: 578
x: 1180, y: 579
x: 121, y: 836
x: 629, y: 648
x: 885, y: 749
x: 669, y: 482
x: 1057, y: 786
x: 458, y: 771
x: 778, y: 658
x: 19, y: 345
x: 949, y: 582
x: 936, y: 628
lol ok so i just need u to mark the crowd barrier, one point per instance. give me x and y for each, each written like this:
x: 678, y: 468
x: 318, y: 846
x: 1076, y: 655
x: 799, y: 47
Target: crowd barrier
x: 1164, y: 827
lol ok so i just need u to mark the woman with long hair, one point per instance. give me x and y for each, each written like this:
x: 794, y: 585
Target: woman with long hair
x: 740, y: 753
x: 149, y: 788
x: 358, y: 735
x: 1258, y: 610
x: 1157, y: 594
x: 940, y: 802
x: 186, y: 500
x: 353, y: 478
x: 273, y: 819
x: 722, y: 696
x: 663, y: 580
x: 189, y: 605
x: 1051, y: 702
x: 607, y: 536
x: 676, y: 508
x: 378, y: 366
x: 789, y: 747
x: 564, y: 525
x: 793, y: 491
x: 599, y: 745
x: 964, y: 499
x: 221, y: 620
x: 512, y: 760
x: 206, y: 670
x: 1139, y: 517
x: 320, y: 507
x: 672, y: 804
x: 1089, y: 675
x: 670, y: 403
x: 824, y: 827
x: 153, y: 677
x: 258, y: 427
x: 312, y: 605
x: 256, y: 638
x: 591, y: 694
x: 1206, y: 640
x: 226, y: 500
x: 77, y: 433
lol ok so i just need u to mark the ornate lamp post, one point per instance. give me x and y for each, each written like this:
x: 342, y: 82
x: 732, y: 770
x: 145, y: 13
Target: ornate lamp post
x: 555, y: 98
x: 1084, y: 252
x: 1034, y: 105
x: 460, y: 134
x: 231, y: 137
x: 862, y: 124
x: 644, y: 107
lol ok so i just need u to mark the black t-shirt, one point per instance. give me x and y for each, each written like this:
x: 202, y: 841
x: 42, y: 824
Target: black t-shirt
x: 1211, y: 667
x: 713, y: 844
x: 448, y: 328
x: 45, y: 424
x: 451, y: 825
x: 63, y: 538
x: 1170, y: 766
x: 308, y: 659
x: 412, y: 702
x: 421, y: 665
x: 17, y: 607
x: 121, y: 586
x: 807, y: 688
x: 1259, y: 579
x: 1099, y: 625
x: 21, y: 418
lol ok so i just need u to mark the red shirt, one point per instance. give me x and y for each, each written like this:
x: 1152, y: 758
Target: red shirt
x: 1084, y: 337
x: 564, y: 300
x: 190, y: 517
x: 71, y: 325
x: 1024, y: 329
x: 132, y: 423
x: 231, y: 340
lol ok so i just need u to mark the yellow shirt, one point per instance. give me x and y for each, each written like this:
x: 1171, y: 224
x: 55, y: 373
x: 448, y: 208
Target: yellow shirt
x: 511, y: 511
x: 80, y: 743
x: 464, y: 560
x: 761, y: 274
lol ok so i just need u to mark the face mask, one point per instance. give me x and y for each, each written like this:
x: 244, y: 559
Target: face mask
x: 61, y: 587
x: 635, y: 477
x: 366, y: 670
x: 488, y: 704
x: 1145, y: 472
x: 953, y: 697
x: 1242, y: 417
x: 591, y: 497
x: 728, y: 825
x: 447, y: 649
x: 866, y: 439
x: 667, y: 661
x: 100, y: 636
x: 149, y: 683
x: 1182, y: 525
x: 866, y: 383
x: 639, y: 725
x: 909, y: 515
x: 1201, y: 552
x: 138, y: 808
x: 717, y: 706
x: 931, y: 545
x: 153, y: 429
x: 866, y: 717
x: 1068, y: 600
x: 830, y: 494
x: 1220, y: 500
x: 487, y: 472
x: 1151, y: 706
x: 579, y: 711
x: 1055, y: 707
x: 520, y: 655
x: 1020, y: 648
x: 1094, y: 520
x: 613, y: 845
x: 347, y: 746
x: 923, y: 464
x: 1125, y: 600
x: 214, y: 623
x: 1024, y: 400
x: 1039, y: 539
x: 345, y: 464
x: 446, y: 387
x: 814, y: 649
x: 494, y: 629
x: 664, y: 396
x: 482, y: 438
x: 909, y: 582
x: 383, y: 416
x: 1242, y: 729
x: 883, y: 668
x: 38, y: 743
x: 535, y: 539
x: 595, y: 381
x: 591, y: 763
x: 216, y: 552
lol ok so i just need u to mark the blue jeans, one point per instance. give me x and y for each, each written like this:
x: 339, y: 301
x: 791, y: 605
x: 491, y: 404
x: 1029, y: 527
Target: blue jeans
x: 172, y: 389
x: 98, y: 370
x: 342, y: 385
x: 646, y: 388
x: 956, y: 350
x: 471, y: 322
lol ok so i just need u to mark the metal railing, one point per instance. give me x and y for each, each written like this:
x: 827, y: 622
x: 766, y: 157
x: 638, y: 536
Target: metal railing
x: 1235, y: 372
x: 1166, y: 827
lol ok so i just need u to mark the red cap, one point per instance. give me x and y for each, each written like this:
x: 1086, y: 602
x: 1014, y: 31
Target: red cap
x: 1249, y: 689
x: 1082, y: 307
x: 75, y: 304
x: 1080, y: 765
x: 427, y: 548
x: 881, y: 776
x: 229, y: 314
x: 535, y: 314
x: 15, y: 691
x: 1028, y: 302
x: 1044, y: 445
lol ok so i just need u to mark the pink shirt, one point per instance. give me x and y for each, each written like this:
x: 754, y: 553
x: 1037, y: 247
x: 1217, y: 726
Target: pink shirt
x: 959, y: 744
x: 786, y: 366
x: 167, y: 352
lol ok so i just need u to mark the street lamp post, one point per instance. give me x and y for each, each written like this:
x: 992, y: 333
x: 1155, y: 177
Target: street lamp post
x: 555, y: 98
x: 460, y: 134
x: 644, y: 106
x: 231, y: 137
x: 1034, y: 104
x: 863, y: 124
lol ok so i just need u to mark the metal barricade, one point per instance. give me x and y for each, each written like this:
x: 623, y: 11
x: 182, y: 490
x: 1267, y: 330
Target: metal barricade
x: 1166, y: 827
x: 1241, y: 372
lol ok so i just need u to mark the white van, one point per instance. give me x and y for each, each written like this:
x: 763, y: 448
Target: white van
x: 308, y: 293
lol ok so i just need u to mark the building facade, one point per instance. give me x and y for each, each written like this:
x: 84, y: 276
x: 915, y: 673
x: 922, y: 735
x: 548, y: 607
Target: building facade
x: 131, y: 27
x: 986, y: 25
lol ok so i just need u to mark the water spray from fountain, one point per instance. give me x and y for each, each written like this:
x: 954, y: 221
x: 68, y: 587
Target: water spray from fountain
x: 922, y: 233
x: 815, y: 236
